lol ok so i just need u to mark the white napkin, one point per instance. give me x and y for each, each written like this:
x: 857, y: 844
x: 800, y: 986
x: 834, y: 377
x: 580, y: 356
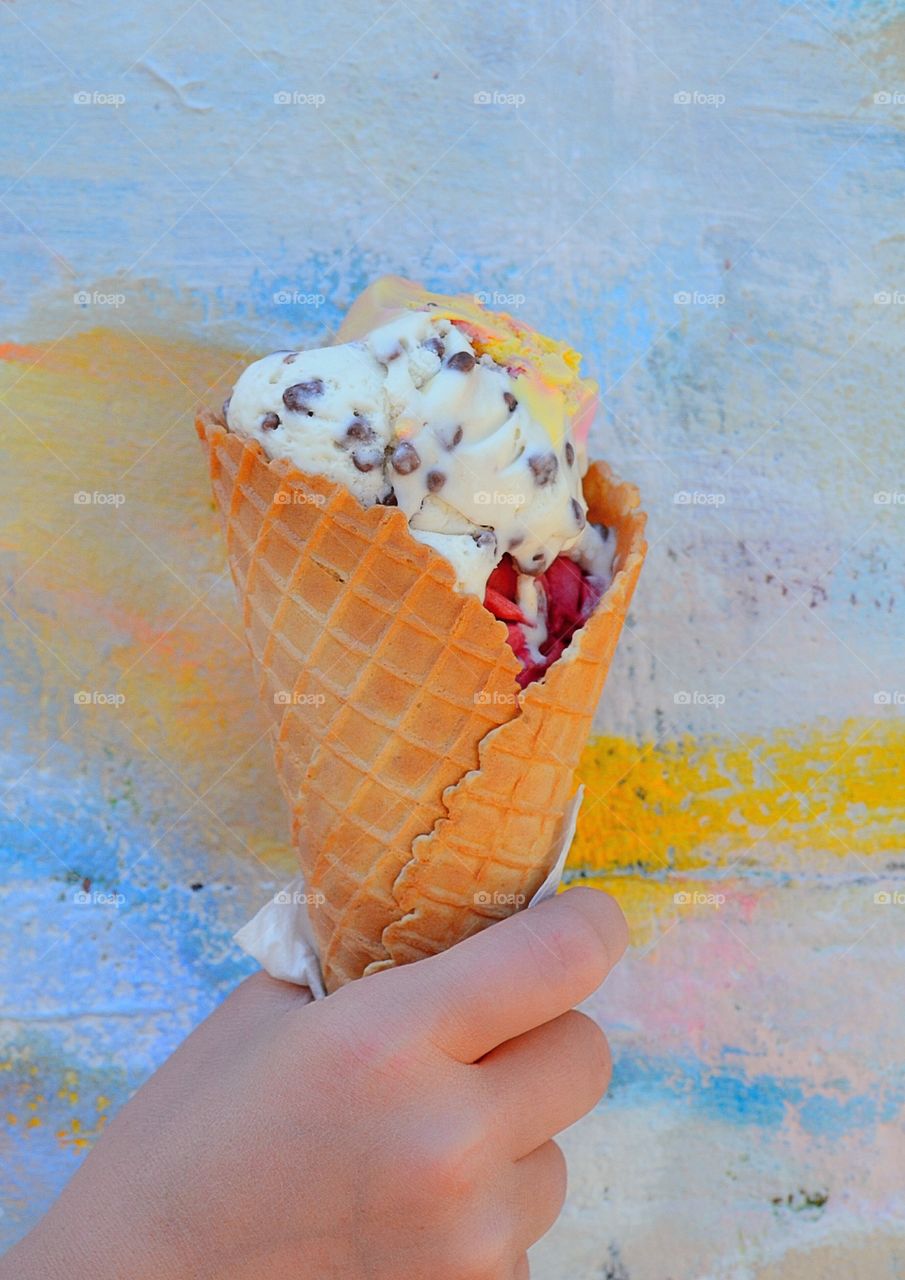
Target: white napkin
x: 280, y: 937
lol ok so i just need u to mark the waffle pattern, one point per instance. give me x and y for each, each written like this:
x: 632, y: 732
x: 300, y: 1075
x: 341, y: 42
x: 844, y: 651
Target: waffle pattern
x: 503, y: 830
x: 388, y: 694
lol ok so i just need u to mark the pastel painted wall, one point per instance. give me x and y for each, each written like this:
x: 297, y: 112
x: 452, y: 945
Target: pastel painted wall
x: 706, y: 199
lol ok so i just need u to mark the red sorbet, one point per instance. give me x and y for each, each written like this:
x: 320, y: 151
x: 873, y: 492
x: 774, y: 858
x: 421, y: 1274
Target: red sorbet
x: 571, y: 596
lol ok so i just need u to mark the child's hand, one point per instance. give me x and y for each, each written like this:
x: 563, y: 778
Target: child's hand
x: 399, y: 1128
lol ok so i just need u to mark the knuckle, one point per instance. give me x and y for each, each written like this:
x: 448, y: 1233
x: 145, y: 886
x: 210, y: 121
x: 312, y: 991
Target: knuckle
x: 559, y: 1179
x: 447, y: 1165
x: 486, y: 1253
x: 593, y: 1051
x: 577, y: 950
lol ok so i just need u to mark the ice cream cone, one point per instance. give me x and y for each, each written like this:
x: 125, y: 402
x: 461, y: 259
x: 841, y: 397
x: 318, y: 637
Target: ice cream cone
x: 426, y: 789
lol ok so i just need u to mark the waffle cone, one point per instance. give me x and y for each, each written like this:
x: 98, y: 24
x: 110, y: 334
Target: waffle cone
x: 427, y: 791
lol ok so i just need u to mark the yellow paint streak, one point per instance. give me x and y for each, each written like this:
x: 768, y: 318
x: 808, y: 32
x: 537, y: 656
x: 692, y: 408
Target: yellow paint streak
x: 138, y: 601
x: 829, y: 789
x: 134, y: 599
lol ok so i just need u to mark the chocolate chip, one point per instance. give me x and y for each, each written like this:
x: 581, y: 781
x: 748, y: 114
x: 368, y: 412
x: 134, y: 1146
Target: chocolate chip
x: 297, y: 396
x: 405, y: 458
x: 462, y: 362
x: 578, y: 513
x: 485, y: 538
x: 225, y: 410
x: 537, y: 557
x: 455, y: 438
x: 270, y: 422
x: 291, y: 357
x: 435, y: 480
x: 359, y: 430
x: 604, y: 532
x: 390, y: 500
x: 367, y: 459
x: 511, y: 402
x: 570, y: 453
x: 435, y: 345
x: 515, y: 542
x: 543, y: 467
x: 394, y: 355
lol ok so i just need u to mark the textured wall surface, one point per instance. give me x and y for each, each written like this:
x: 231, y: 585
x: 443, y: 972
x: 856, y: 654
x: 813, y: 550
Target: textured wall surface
x: 705, y: 198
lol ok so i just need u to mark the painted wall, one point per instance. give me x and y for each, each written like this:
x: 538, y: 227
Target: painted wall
x: 706, y: 199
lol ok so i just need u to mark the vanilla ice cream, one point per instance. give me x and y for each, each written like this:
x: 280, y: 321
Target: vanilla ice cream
x: 472, y: 424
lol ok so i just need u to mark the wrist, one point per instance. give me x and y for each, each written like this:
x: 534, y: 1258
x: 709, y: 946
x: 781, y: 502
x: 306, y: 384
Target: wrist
x: 66, y: 1246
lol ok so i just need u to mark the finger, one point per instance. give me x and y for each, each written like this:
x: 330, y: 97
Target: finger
x: 540, y: 1182
x: 545, y: 1080
x: 515, y: 975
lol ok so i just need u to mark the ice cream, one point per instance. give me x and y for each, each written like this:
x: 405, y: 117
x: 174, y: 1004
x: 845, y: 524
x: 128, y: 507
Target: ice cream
x: 472, y: 424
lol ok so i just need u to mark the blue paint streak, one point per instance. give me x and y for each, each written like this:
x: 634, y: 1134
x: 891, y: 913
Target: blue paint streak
x: 742, y: 1098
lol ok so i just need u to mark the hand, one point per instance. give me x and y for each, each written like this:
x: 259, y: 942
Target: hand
x: 401, y: 1127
